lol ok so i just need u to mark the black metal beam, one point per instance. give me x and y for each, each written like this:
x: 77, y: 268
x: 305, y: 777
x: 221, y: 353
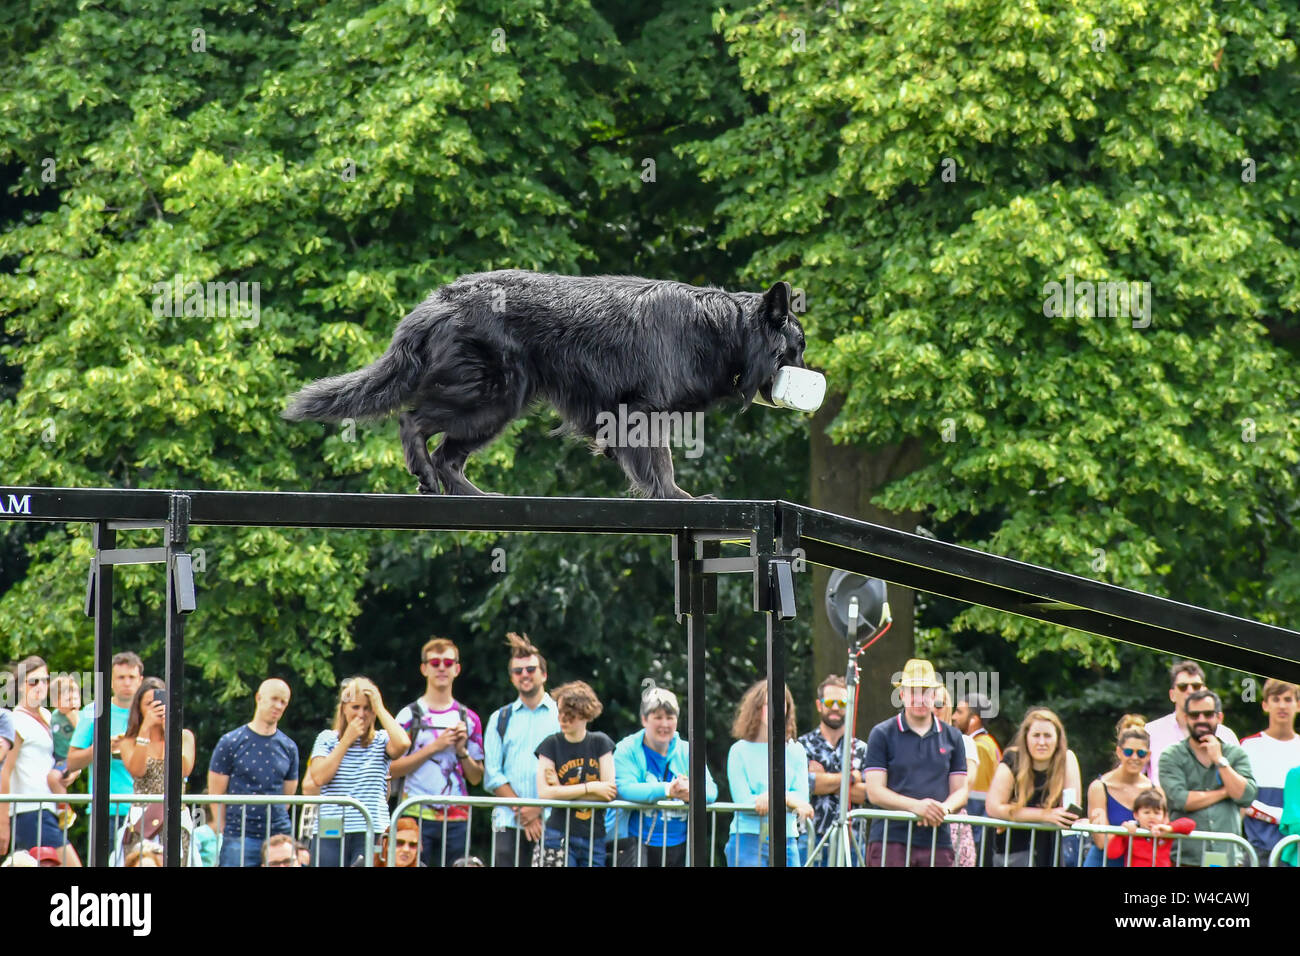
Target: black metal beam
x: 1047, y: 595
x: 413, y: 512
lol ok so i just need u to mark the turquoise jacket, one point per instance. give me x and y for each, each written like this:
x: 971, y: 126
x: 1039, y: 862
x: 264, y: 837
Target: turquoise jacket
x: 1290, y: 822
x: 632, y: 777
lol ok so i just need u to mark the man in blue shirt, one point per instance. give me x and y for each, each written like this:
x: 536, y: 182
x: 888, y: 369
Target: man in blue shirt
x: 257, y: 758
x: 510, y: 743
x: 918, y: 764
x: 127, y: 674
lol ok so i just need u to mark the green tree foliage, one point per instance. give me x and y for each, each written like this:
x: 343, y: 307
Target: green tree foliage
x: 347, y: 157
x: 925, y: 170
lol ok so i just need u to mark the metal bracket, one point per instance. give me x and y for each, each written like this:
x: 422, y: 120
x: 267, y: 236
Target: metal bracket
x: 183, y: 579
x: 782, y: 588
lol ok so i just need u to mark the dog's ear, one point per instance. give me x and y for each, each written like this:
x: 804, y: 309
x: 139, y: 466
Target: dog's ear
x: 776, y: 303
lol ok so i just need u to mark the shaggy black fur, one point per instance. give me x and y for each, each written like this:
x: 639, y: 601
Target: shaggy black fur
x: 468, y: 360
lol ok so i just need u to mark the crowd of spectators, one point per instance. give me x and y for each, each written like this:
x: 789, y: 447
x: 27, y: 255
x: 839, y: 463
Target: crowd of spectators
x: 959, y: 799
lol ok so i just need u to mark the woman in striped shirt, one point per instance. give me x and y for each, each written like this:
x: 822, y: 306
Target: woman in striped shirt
x: 351, y: 760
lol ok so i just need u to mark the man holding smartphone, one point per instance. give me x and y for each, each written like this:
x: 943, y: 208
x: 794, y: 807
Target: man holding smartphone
x: 446, y: 755
x: 1207, y: 780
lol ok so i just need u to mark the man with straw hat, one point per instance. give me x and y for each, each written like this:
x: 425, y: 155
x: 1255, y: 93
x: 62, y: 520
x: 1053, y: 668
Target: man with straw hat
x: 918, y: 764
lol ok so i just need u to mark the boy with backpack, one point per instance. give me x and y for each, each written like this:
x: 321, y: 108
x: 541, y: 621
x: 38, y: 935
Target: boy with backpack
x: 446, y: 756
x: 513, y: 733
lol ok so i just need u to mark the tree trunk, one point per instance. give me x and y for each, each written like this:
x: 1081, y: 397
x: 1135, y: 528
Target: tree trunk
x: 844, y: 479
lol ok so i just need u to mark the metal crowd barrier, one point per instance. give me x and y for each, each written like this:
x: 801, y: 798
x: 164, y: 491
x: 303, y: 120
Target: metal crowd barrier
x: 983, y: 829
x: 1275, y: 855
x: 612, y: 853
x: 294, y: 803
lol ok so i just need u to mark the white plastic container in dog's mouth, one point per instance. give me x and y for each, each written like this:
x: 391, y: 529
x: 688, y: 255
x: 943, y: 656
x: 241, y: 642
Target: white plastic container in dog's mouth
x: 799, y: 388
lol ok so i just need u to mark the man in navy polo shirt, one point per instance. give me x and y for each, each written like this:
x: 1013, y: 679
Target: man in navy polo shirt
x: 918, y: 764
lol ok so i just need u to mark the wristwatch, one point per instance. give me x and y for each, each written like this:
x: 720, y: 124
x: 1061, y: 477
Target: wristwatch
x: 1222, y: 761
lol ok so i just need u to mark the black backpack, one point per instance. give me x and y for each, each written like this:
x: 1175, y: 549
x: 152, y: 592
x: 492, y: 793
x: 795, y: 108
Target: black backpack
x: 503, y: 721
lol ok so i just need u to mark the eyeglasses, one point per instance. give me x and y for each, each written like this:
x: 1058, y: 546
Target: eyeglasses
x: 409, y: 844
x: 33, y: 681
x: 1201, y: 713
x: 1132, y: 752
x: 835, y: 703
x: 530, y: 669
x: 1192, y: 685
x: 287, y: 861
x: 447, y: 662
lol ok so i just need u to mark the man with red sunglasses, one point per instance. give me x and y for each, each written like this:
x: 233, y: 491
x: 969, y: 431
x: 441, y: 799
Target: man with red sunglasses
x: 446, y: 755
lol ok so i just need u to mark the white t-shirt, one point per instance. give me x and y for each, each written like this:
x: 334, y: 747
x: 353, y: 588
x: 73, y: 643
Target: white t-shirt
x: 972, y: 750
x: 35, y: 760
x: 1270, y: 761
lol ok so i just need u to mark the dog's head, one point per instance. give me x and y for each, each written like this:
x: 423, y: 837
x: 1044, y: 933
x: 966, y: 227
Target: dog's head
x: 774, y: 338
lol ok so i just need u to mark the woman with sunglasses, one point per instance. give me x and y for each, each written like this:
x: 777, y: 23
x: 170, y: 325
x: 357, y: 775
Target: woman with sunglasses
x: 29, y: 768
x: 1111, y: 795
x: 351, y: 760
x: 407, y: 850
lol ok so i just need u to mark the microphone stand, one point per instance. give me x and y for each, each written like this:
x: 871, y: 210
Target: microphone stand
x: 841, y: 846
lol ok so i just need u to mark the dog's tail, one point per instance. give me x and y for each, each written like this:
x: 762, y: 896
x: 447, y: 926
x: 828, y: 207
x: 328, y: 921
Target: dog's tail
x: 371, y: 392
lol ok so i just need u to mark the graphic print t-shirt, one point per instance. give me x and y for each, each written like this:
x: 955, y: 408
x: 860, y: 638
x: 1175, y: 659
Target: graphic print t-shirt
x: 577, y: 763
x: 441, y: 773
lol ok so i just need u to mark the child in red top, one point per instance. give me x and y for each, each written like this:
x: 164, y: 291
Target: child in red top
x: 1150, y: 814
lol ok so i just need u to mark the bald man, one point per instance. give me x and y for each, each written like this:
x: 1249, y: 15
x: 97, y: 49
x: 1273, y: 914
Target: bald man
x: 257, y: 758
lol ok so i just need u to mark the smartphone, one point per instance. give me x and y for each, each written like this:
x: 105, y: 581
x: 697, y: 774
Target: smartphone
x: 1075, y: 809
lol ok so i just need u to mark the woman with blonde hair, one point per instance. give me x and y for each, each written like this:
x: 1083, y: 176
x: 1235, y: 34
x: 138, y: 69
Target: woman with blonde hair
x: 1037, y: 782
x: 1111, y: 795
x: 351, y: 760
x: 747, y: 775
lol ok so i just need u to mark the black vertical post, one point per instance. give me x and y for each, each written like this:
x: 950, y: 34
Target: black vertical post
x: 696, y: 630
x: 178, y: 531
x: 101, y: 837
x: 764, y: 601
x: 689, y: 600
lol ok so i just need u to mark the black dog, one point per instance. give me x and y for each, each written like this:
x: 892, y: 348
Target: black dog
x: 469, y: 359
